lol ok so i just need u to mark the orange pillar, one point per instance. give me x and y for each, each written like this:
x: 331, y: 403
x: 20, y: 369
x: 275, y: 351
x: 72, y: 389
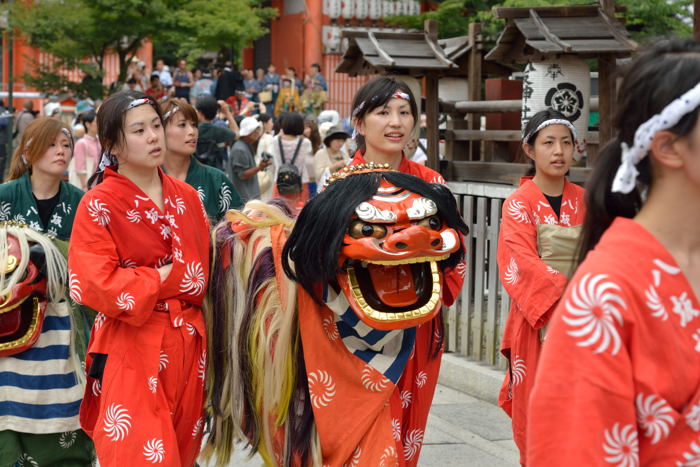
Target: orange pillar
x: 313, y: 25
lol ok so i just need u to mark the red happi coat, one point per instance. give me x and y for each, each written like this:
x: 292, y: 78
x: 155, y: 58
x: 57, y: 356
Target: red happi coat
x: 143, y: 401
x: 619, y: 377
x: 534, y: 289
x: 390, y: 422
x: 362, y: 417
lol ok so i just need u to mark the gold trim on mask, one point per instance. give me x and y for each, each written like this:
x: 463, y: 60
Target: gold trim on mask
x: 5, y: 310
x: 30, y: 332
x: 392, y: 317
x: 11, y: 265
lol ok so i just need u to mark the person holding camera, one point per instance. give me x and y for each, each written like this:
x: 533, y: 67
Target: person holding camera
x: 213, y: 140
x: 243, y: 169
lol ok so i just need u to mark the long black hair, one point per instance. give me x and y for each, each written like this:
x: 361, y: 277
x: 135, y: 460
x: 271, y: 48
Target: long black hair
x: 536, y: 120
x: 656, y: 78
x: 315, y: 242
x: 376, y: 93
x: 110, y: 123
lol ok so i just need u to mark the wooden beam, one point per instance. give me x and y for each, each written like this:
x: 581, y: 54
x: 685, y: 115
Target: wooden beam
x: 502, y: 172
x: 474, y: 83
x: 550, y: 11
x: 696, y: 20
x: 431, y: 114
x: 500, y: 106
x: 547, y: 33
x: 500, y: 135
x: 379, y: 49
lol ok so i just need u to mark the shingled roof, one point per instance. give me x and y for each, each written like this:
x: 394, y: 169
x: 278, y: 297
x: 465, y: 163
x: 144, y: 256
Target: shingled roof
x: 370, y: 52
x: 536, y: 33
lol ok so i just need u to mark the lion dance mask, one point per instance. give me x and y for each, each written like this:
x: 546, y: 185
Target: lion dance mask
x: 32, y: 272
x: 325, y: 337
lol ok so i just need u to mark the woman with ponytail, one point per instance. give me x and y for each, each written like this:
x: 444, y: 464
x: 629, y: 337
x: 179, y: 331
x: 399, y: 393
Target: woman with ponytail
x: 536, y: 248
x: 141, y: 258
x: 618, y: 380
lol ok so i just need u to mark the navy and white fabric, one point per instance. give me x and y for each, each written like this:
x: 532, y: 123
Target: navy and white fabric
x: 39, y: 374
x: 385, y: 351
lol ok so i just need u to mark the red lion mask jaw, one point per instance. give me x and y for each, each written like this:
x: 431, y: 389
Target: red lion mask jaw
x: 389, y: 259
x: 22, y: 310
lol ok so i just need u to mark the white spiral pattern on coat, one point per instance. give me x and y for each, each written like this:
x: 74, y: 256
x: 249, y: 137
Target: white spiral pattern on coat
x: 75, y: 291
x: 517, y: 210
x: 518, y: 370
x: 152, y: 384
x: 593, y: 310
x: 321, y: 388
x: 511, y: 275
x: 405, y: 397
x: 99, y: 211
x: 125, y: 301
x: 654, y: 416
x: 389, y: 457
x: 330, y: 328
x: 654, y: 303
x: 372, y: 380
x: 421, y: 379
x: 412, y: 443
x: 154, y: 451
x: 622, y: 446
x: 193, y: 279
x: 117, y: 422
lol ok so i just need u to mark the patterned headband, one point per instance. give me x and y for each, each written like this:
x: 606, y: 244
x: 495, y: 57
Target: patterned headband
x: 626, y: 176
x: 137, y: 102
x: 106, y: 160
x: 401, y: 95
x: 170, y: 112
x: 552, y: 121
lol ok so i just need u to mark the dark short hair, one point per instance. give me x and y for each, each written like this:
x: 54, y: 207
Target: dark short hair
x: 131, y: 80
x: 208, y: 106
x: 292, y: 124
x: 317, y: 66
x: 263, y: 117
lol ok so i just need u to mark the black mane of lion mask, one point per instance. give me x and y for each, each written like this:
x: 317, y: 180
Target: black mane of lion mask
x: 378, y: 236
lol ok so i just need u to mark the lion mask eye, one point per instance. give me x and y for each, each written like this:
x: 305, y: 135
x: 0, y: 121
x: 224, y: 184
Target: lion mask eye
x: 432, y: 222
x: 360, y: 229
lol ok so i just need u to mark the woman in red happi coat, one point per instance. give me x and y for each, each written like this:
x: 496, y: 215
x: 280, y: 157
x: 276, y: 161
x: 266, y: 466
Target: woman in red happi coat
x: 547, y: 199
x: 619, y: 376
x: 139, y: 256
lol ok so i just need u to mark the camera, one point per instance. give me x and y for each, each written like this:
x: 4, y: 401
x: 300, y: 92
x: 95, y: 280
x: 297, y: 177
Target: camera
x: 266, y: 156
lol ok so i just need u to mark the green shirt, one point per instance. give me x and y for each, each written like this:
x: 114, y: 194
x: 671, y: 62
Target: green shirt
x: 215, y: 189
x: 17, y: 204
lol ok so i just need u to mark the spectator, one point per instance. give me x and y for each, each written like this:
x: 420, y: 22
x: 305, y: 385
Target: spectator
x: 265, y: 146
x: 132, y: 84
x: 239, y: 102
x: 317, y: 77
x: 244, y: 170
x: 271, y: 82
x: 291, y: 73
x: 52, y: 110
x: 183, y: 80
x: 332, y: 157
x: 288, y: 98
x: 329, y: 116
x: 163, y: 74
x: 24, y: 118
x: 202, y: 85
x: 230, y: 80
x: 251, y: 85
x: 87, y: 153
x: 291, y: 141
x: 156, y: 91
x: 213, y: 140
x: 313, y: 98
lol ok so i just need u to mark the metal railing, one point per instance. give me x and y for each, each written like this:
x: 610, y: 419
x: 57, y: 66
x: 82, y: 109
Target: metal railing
x: 475, y: 322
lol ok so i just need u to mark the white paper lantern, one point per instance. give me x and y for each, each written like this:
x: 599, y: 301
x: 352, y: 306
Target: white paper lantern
x: 400, y: 7
x: 361, y: 9
x: 412, y: 8
x: 375, y: 9
x: 331, y: 8
x: 563, y: 84
x: 331, y: 39
x: 347, y: 8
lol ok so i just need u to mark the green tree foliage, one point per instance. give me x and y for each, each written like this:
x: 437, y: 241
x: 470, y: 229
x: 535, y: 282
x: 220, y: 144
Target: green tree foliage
x: 646, y: 20
x: 80, y: 32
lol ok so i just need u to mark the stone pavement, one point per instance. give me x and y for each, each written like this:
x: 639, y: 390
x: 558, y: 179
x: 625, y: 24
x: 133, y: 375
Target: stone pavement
x: 462, y: 431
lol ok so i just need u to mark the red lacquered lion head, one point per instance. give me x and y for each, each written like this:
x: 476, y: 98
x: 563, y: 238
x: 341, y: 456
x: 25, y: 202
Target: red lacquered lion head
x: 23, y: 285
x: 383, y: 238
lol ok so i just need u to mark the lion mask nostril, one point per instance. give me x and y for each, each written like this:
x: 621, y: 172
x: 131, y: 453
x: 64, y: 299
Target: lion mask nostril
x: 436, y: 242
x: 400, y: 245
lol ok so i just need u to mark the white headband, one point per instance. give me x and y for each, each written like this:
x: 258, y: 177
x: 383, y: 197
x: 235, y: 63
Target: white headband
x: 171, y: 112
x: 626, y: 176
x: 137, y: 102
x: 106, y: 161
x: 552, y: 121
